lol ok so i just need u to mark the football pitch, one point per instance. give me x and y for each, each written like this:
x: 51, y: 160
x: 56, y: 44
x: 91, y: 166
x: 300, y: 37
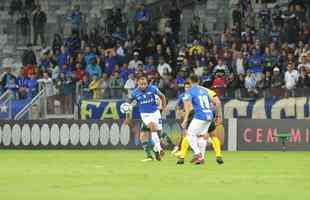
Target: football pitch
x: 119, y: 175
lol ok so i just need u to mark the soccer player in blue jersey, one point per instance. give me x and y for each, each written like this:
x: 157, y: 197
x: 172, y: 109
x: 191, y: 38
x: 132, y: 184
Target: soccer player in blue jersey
x: 198, y: 99
x: 144, y: 96
x: 183, y: 146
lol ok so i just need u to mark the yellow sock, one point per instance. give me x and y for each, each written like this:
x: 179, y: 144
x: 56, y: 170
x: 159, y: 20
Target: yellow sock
x: 184, y: 147
x: 216, y: 144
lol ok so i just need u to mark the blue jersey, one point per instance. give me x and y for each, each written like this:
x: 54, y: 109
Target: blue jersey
x: 180, y: 101
x: 201, y: 101
x: 146, y: 100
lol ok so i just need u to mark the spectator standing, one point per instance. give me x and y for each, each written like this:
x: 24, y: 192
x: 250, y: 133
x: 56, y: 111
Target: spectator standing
x: 12, y: 87
x: 291, y: 78
x: 29, y: 57
x: 142, y: 16
x: 39, y: 22
x: 33, y: 86
x: 116, y: 85
x: 130, y: 85
x: 110, y: 63
x: 175, y: 20
x: 79, y: 72
x: 163, y: 67
x: 76, y: 20
x: 105, y: 86
x: 277, y: 78
x: 24, y: 27
x: 221, y: 67
x: 133, y: 64
x: 93, y: 69
x: 94, y: 87
x: 22, y: 85
x: 304, y: 79
x: 57, y: 43
x: 85, y: 91
x: 251, y: 83
x: 47, y: 82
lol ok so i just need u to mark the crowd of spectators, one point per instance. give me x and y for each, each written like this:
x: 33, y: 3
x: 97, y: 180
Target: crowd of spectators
x: 243, y: 61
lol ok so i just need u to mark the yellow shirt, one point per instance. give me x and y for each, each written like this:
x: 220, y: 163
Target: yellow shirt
x: 212, y: 94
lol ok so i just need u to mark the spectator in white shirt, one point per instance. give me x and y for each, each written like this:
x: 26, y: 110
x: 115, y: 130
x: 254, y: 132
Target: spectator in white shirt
x: 163, y: 68
x: 250, y: 82
x: 303, y: 63
x: 130, y: 85
x: 47, y: 82
x: 221, y: 67
x: 120, y: 50
x: 291, y: 77
x: 133, y: 64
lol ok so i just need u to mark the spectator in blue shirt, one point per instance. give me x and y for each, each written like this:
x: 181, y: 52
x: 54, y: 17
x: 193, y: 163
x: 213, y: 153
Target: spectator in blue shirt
x: 180, y: 81
x: 110, y: 63
x: 124, y: 72
x: 256, y: 63
x: 142, y: 15
x: 62, y: 57
x: 46, y: 60
x: 12, y: 87
x: 150, y: 66
x: 89, y: 55
x: 76, y: 19
x: 32, y: 85
x: 93, y: 69
x: 22, y: 86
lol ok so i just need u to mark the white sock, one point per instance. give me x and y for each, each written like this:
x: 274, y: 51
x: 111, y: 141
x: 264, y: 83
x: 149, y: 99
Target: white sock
x: 193, y: 142
x: 156, y: 140
x: 202, y: 144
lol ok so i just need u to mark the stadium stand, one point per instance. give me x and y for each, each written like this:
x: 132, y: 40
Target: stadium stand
x: 96, y: 49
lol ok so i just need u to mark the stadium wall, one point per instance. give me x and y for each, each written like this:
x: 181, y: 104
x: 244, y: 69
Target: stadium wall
x: 240, y: 134
x: 264, y: 108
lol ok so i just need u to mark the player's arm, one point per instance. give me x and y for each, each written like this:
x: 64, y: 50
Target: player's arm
x: 179, y: 113
x: 162, y: 98
x: 187, y: 109
x: 218, y: 109
x: 128, y: 115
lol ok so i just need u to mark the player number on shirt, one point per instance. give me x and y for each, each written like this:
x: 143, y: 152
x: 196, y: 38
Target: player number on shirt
x: 204, y: 102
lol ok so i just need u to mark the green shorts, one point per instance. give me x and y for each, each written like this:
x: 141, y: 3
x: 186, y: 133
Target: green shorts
x: 143, y: 127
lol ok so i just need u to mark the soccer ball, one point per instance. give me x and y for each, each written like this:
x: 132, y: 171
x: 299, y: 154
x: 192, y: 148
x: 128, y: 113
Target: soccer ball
x: 125, y: 108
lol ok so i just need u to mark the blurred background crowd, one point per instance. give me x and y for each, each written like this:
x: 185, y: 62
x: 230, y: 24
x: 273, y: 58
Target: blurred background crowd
x: 258, y: 54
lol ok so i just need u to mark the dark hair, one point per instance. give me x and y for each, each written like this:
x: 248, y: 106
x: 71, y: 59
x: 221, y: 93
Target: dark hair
x: 142, y: 78
x: 194, y: 79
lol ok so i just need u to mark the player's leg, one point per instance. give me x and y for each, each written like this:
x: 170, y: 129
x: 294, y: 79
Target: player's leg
x: 217, y: 143
x: 155, y: 138
x: 202, y: 144
x: 195, y: 129
x: 203, y: 139
x: 165, y: 139
x: 182, y: 154
x: 146, y: 144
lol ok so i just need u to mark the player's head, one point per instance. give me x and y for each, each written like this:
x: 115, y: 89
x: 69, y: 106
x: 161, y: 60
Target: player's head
x: 142, y: 83
x: 187, y: 86
x: 194, y: 79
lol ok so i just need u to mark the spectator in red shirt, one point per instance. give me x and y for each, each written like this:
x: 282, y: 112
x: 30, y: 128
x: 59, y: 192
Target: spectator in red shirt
x: 219, y: 84
x: 29, y: 70
x: 79, y: 72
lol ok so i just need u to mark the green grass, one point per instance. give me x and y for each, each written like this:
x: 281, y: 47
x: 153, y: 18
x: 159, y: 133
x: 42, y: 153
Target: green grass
x: 119, y: 175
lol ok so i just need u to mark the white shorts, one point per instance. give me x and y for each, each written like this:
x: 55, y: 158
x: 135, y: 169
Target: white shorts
x: 198, y: 127
x: 153, y: 117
